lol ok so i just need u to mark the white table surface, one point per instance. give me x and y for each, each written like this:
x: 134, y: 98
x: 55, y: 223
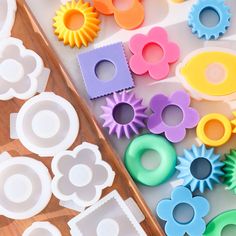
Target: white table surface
x: 173, y: 18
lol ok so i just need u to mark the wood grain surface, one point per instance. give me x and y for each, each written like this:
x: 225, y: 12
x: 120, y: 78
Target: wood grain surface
x: 27, y: 29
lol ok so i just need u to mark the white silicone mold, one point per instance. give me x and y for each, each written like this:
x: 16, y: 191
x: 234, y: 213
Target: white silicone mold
x: 42, y: 229
x: 7, y: 17
x: 110, y: 216
x: 80, y: 176
x: 46, y: 124
x: 22, y: 72
x: 25, y: 187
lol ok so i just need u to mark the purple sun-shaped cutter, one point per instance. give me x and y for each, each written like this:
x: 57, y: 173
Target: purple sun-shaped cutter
x: 124, y: 114
x: 180, y: 101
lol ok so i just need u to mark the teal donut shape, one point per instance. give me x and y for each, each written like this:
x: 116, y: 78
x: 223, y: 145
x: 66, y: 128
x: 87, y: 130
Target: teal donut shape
x: 133, y: 159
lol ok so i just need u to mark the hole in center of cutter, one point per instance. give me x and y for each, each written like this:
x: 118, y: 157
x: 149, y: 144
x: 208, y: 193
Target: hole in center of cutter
x: 209, y: 17
x: 73, y: 20
x: 172, y: 115
x: 183, y: 213
x: 152, y: 53
x: 122, y: 5
x: 216, y: 73
x: 201, y: 168
x: 150, y: 160
x: 108, y: 227
x: 214, y: 129
x: 229, y: 230
x: 123, y: 113
x: 105, y: 70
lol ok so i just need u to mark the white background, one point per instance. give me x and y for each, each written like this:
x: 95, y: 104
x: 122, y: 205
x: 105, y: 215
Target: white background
x: 173, y: 18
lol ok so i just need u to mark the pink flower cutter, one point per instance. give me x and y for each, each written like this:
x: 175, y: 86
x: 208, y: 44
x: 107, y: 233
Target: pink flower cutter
x: 180, y: 100
x: 158, y: 69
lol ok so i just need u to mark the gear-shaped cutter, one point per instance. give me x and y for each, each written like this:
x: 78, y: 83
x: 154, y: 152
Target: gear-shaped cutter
x: 204, y: 31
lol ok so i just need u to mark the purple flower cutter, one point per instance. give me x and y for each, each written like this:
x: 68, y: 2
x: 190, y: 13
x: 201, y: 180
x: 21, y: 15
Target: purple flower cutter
x: 122, y: 78
x: 120, y: 104
x: 180, y: 101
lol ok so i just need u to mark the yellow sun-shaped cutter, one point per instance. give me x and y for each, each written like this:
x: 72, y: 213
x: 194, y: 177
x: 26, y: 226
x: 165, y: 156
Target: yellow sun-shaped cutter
x: 76, y: 23
x: 233, y: 122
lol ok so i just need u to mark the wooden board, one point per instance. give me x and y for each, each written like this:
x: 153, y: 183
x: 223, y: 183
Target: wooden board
x: 27, y: 29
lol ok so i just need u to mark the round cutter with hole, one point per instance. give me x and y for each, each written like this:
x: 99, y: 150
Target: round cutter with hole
x: 214, y: 130
x: 133, y: 159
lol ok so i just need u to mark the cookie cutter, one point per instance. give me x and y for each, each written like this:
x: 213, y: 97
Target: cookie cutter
x: 200, y: 168
x: 130, y: 18
x: 110, y: 216
x: 113, y: 120
x: 46, y: 124
x: 42, y: 228
x: 215, y: 129
x: 180, y: 197
x: 7, y: 17
x: 137, y: 148
x: 177, y: 102
x: 25, y: 187
x: 203, y: 31
x: 143, y: 46
x: 89, y: 61
x: 216, y: 225
x: 76, y: 23
x: 230, y: 170
x: 22, y: 73
x: 209, y: 74
x: 80, y: 176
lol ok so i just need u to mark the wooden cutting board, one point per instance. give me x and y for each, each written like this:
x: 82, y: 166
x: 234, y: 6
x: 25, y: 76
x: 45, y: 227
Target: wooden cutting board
x: 27, y: 29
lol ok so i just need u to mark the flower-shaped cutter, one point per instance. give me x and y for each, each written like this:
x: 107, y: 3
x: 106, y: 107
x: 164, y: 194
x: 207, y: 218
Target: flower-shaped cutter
x: 200, y: 168
x: 157, y: 70
x: 182, y: 195
x: 180, y: 100
x: 22, y: 72
x: 80, y: 174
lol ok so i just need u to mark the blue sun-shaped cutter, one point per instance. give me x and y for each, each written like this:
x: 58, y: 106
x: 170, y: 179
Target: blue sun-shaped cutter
x: 200, y: 168
x: 203, y: 31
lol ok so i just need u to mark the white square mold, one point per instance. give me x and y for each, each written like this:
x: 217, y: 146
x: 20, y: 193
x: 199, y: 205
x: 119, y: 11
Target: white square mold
x: 46, y: 124
x: 111, y: 216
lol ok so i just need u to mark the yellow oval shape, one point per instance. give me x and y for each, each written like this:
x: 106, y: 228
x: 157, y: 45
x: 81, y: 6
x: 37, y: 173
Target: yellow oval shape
x: 210, y: 74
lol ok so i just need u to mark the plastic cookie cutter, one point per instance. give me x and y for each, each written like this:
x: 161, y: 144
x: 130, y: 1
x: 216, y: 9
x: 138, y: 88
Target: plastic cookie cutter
x: 25, y: 188
x: 216, y: 226
x: 173, y: 212
x: 127, y: 17
x: 76, y: 23
x: 7, y: 17
x: 110, y: 216
x: 209, y: 73
x: 147, y: 58
x: 197, y: 24
x: 133, y: 159
x: 22, y: 73
x: 42, y: 228
x: 230, y: 171
x: 215, y: 129
x: 200, y: 168
x: 46, y: 124
x: 177, y: 107
x: 124, y: 114
x: 80, y: 176
x: 178, y: 1
x: 98, y: 60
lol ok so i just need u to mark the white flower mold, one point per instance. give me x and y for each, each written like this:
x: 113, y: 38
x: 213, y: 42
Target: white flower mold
x: 111, y: 216
x: 22, y: 72
x: 42, y: 229
x: 25, y: 187
x: 7, y: 17
x: 46, y: 124
x: 80, y: 176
